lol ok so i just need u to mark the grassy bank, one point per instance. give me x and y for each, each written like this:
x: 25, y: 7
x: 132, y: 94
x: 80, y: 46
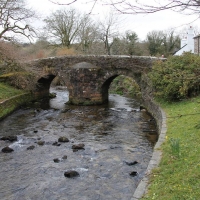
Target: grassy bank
x: 178, y: 175
x: 7, y: 91
x: 11, y: 98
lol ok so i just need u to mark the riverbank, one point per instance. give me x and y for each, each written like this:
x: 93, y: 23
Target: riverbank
x: 11, y: 99
x: 6, y: 91
x: 177, y: 176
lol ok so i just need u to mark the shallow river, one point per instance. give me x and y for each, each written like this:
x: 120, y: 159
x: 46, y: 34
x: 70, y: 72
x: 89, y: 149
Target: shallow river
x: 115, y: 135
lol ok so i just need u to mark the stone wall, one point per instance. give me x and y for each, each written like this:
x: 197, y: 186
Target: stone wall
x: 11, y: 104
x: 160, y: 117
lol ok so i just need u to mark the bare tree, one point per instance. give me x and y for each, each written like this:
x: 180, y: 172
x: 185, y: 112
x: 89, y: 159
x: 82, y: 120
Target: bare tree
x: 87, y: 33
x: 108, y: 31
x: 64, y: 25
x: 144, y: 6
x: 14, y: 18
x: 127, y: 44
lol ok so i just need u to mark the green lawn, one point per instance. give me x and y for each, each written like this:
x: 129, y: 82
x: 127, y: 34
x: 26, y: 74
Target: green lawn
x: 7, y: 91
x: 178, y: 175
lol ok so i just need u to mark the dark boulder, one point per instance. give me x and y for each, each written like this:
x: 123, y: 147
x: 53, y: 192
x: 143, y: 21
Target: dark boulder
x: 10, y: 138
x: 7, y: 150
x: 64, y: 157
x: 63, y: 139
x: 31, y: 147
x: 71, y: 174
x: 134, y: 173
x: 41, y: 143
x: 56, y: 160
x: 78, y: 146
x: 131, y: 163
x: 56, y: 144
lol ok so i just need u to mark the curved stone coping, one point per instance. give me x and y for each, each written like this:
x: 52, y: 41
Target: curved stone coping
x: 156, y: 157
x: 14, y: 102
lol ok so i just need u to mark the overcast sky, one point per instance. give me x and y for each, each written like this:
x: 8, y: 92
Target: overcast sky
x: 141, y: 24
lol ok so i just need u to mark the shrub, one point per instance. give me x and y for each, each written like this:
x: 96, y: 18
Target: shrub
x: 124, y: 85
x: 65, y: 51
x: 12, y: 69
x: 177, y: 78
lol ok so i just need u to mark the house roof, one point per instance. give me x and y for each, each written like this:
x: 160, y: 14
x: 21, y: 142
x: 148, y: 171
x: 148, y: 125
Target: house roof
x: 197, y: 36
x: 176, y: 52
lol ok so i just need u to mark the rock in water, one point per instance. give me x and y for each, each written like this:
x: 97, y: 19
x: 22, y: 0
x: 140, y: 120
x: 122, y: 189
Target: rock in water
x: 56, y: 160
x: 56, y: 144
x: 64, y: 157
x: 63, y: 139
x: 71, y: 174
x: 7, y: 150
x: 131, y: 163
x: 10, y: 138
x: 31, y: 147
x: 134, y: 173
x: 41, y: 143
x: 78, y: 146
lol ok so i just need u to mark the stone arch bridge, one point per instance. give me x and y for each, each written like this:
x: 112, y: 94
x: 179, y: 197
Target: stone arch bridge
x: 88, y: 77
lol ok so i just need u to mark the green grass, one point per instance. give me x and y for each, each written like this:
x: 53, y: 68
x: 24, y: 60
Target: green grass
x: 7, y: 91
x: 178, y: 175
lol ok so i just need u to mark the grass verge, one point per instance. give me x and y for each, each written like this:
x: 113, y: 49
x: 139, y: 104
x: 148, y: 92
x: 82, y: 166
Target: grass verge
x: 7, y: 91
x: 178, y: 175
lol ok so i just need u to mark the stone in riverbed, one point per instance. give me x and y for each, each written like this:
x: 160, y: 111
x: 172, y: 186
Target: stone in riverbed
x: 64, y: 157
x: 63, y: 139
x: 31, y: 147
x: 56, y: 144
x: 10, y: 138
x: 71, y: 174
x: 7, y: 150
x: 131, y: 163
x: 77, y: 147
x: 56, y: 160
x: 41, y: 143
x: 134, y: 173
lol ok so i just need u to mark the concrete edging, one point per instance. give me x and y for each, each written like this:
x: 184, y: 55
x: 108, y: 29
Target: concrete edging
x: 156, y: 157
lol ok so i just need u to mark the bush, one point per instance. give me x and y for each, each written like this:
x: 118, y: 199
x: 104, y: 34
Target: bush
x: 177, y: 78
x: 126, y: 86
x: 12, y: 69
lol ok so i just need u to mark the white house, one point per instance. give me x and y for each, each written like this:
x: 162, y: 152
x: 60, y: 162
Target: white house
x: 187, y: 43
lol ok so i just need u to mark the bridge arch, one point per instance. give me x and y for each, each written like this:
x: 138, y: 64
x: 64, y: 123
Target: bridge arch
x: 43, y: 85
x: 110, y: 77
x: 88, y: 77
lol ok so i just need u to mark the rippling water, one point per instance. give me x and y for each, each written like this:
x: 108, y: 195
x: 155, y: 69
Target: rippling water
x: 114, y: 134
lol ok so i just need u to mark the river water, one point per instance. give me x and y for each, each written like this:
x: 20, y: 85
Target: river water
x: 115, y: 135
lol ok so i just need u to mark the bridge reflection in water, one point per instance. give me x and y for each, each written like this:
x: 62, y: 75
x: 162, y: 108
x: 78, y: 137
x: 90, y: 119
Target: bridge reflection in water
x: 114, y: 134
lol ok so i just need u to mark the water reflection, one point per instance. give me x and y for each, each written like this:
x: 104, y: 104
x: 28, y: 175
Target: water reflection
x: 114, y: 134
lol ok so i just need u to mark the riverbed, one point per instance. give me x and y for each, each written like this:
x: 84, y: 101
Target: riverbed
x: 118, y: 139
